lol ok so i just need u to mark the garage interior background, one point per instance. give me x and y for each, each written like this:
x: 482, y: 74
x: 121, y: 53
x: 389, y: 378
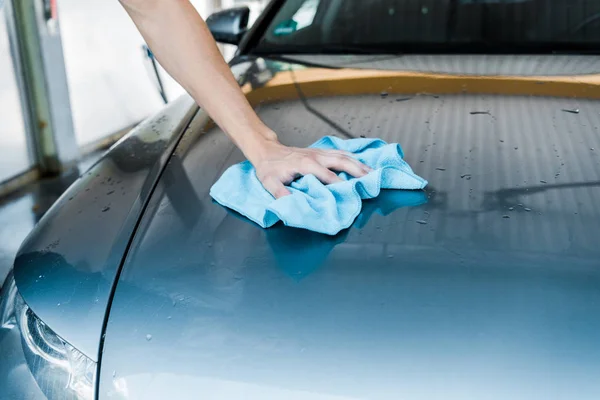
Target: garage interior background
x: 101, y: 83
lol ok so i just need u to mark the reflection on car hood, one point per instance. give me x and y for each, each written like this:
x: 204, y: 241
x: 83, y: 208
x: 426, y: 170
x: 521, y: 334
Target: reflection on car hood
x: 485, y: 285
x: 66, y: 267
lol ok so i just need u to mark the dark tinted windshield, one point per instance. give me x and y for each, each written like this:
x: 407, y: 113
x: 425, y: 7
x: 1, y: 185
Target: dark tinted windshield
x: 373, y: 26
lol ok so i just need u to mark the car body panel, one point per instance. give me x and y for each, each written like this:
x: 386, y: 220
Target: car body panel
x: 66, y: 268
x: 485, y: 285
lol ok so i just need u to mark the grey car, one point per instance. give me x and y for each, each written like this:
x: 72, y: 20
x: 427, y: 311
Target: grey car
x: 485, y: 285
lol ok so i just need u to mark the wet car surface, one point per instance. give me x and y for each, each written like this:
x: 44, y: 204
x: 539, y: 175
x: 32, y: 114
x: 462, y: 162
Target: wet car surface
x: 483, y: 285
x: 494, y: 264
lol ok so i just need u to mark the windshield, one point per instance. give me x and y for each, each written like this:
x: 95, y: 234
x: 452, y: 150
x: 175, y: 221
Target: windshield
x: 433, y: 26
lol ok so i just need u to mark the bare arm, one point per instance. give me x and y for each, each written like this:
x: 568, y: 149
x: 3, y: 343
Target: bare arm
x: 185, y: 47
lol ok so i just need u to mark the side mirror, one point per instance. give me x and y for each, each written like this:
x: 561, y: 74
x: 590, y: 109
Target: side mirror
x: 229, y: 26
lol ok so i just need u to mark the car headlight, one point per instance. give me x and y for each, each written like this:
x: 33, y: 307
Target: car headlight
x: 60, y: 370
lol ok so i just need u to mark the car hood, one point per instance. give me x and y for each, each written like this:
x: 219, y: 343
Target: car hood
x: 67, y: 266
x: 485, y: 285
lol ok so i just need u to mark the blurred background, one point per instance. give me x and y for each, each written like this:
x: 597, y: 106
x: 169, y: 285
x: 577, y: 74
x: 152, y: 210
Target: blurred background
x: 111, y: 80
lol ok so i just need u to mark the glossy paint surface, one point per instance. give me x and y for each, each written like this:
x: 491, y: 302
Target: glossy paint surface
x: 486, y: 285
x: 66, y: 267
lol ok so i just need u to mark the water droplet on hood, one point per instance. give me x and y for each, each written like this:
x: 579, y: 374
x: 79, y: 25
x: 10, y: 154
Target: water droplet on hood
x: 421, y: 222
x: 571, y: 111
x: 480, y: 113
x: 148, y: 337
x: 105, y: 209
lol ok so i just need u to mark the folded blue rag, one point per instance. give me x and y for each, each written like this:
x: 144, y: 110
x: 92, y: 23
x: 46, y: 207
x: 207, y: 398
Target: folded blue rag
x: 312, y: 205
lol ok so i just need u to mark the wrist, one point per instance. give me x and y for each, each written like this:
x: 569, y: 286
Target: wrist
x: 254, y: 143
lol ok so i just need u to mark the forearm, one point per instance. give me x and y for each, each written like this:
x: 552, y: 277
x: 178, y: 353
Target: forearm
x: 184, y: 46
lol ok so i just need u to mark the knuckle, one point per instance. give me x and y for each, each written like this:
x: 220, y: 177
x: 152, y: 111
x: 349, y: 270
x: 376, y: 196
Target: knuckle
x: 307, y: 163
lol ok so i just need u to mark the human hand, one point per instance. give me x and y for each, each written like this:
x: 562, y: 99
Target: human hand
x: 278, y: 165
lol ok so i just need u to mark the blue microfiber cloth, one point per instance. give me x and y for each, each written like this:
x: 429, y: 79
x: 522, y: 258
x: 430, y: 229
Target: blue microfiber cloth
x: 312, y: 205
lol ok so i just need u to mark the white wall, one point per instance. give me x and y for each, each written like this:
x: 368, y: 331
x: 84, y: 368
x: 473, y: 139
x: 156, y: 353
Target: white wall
x: 111, y: 82
x: 14, y: 157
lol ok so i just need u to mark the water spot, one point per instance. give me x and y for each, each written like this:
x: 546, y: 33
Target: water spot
x: 465, y: 176
x: 399, y: 99
x: 110, y: 192
x: 70, y: 198
x: 571, y: 111
x: 58, y: 305
x: 591, y: 148
x: 390, y: 256
x: 511, y: 208
x: 384, y: 95
x: 87, y: 189
x: 169, y: 317
x: 519, y: 205
x: 480, y: 113
x: 441, y: 169
x: 527, y: 209
x: 105, y: 209
x: 543, y: 182
x: 506, y: 216
x: 363, y: 136
x: 516, y: 148
x: 501, y: 141
x: 148, y: 337
x: 421, y: 222
x: 114, y: 374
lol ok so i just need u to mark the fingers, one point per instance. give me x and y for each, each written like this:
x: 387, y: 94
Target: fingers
x: 320, y: 163
x: 275, y: 187
x: 323, y: 174
x: 346, y: 164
